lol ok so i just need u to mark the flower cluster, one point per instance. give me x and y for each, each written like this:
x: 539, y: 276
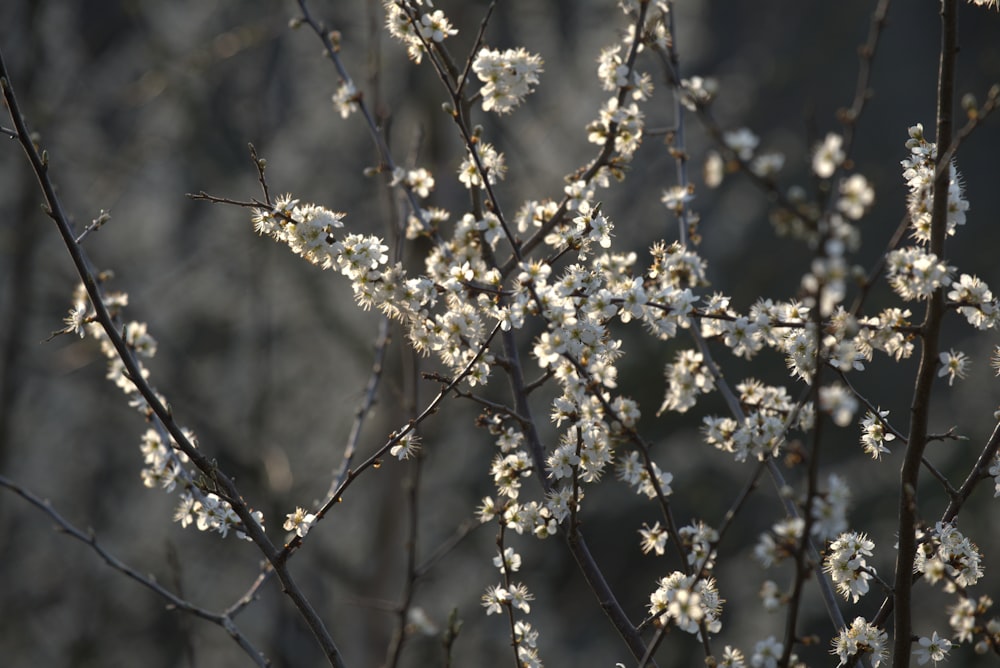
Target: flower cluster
x: 507, y: 76
x: 780, y: 542
x: 415, y: 24
x: 345, y: 100
x: 498, y: 597
x: 699, y: 540
x: 969, y: 619
x: 614, y: 74
x: 916, y: 274
x: 828, y: 156
x: 574, y: 300
x: 829, y: 509
x: 769, y: 413
x: 947, y: 554
x: 511, y: 597
x: 974, y: 300
x: 209, y: 512
x: 491, y: 161
x: 861, y: 637
x: 918, y: 172
x: 570, y: 293
x: 687, y: 602
x: 625, y: 123
x: 847, y: 565
x: 687, y: 377
x: 873, y: 434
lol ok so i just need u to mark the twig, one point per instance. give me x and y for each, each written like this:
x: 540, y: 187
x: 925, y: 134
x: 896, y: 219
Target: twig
x: 364, y: 406
x: 395, y: 649
x: 377, y: 456
x: 825, y: 587
x: 225, y: 485
x: 223, y: 620
x: 931, y: 331
x: 862, y: 92
x: 446, y: 547
x: 385, y: 155
x: 574, y: 538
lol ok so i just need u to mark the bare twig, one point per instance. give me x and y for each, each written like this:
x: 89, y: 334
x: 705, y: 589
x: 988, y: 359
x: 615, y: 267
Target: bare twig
x: 88, y: 538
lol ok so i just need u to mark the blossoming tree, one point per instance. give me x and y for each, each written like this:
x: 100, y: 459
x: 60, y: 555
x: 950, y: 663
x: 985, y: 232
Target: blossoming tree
x: 526, y: 310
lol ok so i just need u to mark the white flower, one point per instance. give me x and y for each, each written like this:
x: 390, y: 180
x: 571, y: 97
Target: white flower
x: 714, y: 169
x: 874, y: 435
x: 933, y: 649
x: 828, y: 156
x: 698, y: 92
x: 435, y: 27
x: 509, y: 560
x: 856, y: 196
x: 300, y: 522
x: 654, y: 539
x: 767, y: 165
x: 76, y: 319
x: 492, y: 162
x: 838, y: 401
x: 742, y: 142
x: 519, y: 597
x: 495, y: 598
x: 345, y: 100
x: 766, y: 653
x: 954, y: 365
x: 916, y: 274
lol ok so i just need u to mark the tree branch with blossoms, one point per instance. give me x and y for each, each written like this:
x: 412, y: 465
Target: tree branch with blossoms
x: 133, y: 375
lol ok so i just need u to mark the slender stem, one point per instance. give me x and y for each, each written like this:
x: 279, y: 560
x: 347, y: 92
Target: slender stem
x: 395, y: 650
x: 803, y: 563
x: 574, y: 538
x: 250, y: 525
x: 930, y: 335
x: 224, y: 619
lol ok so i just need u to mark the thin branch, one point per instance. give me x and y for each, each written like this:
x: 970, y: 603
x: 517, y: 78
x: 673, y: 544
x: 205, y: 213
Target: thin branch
x: 385, y: 155
x: 251, y: 594
x: 862, y: 92
x: 364, y: 407
x: 602, y: 159
x: 445, y: 548
x: 826, y: 588
x: 431, y: 408
x: 979, y: 472
x: 931, y: 331
x: 574, y: 538
x: 395, y: 649
x: 88, y: 538
x: 250, y: 525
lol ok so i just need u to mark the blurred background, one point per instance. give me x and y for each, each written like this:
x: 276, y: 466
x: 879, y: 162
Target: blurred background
x: 265, y: 357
